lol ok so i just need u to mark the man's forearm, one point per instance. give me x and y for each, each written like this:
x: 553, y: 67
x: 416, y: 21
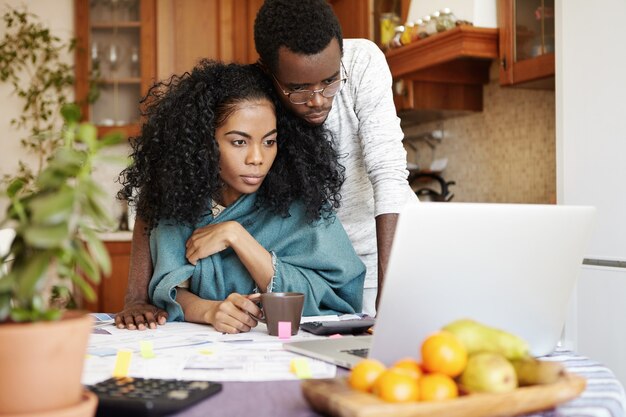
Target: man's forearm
x: 385, y: 229
x: 140, y: 265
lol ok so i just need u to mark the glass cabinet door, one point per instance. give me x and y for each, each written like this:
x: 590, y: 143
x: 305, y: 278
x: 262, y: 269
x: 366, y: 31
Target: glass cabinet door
x: 117, y: 54
x: 534, y: 28
x: 527, y: 42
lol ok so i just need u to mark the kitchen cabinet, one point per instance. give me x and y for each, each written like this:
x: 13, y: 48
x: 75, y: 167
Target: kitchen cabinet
x: 527, y: 40
x: 591, y: 167
x: 354, y: 17
x: 359, y: 21
x: 189, y: 30
x: 227, y: 30
x: 115, y: 55
x: 443, y: 75
x: 112, y: 289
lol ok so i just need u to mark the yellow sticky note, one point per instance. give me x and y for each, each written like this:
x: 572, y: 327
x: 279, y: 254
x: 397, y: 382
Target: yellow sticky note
x: 205, y: 352
x: 145, y: 347
x: 122, y: 363
x: 300, y: 367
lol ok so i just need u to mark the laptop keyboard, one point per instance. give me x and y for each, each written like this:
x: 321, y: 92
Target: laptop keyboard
x: 358, y: 352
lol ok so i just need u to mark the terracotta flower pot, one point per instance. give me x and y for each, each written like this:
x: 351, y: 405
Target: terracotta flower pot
x: 41, y: 364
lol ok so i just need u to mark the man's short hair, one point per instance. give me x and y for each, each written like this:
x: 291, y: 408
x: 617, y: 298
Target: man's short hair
x: 302, y: 26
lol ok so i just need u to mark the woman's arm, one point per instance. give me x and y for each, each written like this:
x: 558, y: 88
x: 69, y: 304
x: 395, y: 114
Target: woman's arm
x: 214, y: 238
x: 232, y: 315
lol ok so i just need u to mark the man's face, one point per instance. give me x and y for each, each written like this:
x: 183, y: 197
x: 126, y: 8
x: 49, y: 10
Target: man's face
x: 308, y: 72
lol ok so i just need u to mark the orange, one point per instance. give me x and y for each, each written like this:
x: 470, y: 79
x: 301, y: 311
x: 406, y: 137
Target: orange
x: 409, y: 366
x: 396, y: 386
x: 443, y: 352
x: 435, y: 387
x: 364, y: 374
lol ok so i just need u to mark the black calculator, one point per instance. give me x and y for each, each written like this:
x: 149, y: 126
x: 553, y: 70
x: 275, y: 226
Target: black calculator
x: 352, y: 326
x: 149, y: 397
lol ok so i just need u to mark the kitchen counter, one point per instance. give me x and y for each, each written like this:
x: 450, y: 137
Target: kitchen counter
x: 119, y: 236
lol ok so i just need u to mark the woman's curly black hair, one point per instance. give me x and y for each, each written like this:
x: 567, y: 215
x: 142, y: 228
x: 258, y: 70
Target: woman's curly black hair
x: 175, y: 160
x: 303, y: 26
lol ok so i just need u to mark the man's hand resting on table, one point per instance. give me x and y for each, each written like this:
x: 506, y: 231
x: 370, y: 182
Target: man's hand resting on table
x: 140, y: 315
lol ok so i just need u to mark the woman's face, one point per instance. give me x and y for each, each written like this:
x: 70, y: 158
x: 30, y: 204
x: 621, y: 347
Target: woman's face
x: 247, y: 143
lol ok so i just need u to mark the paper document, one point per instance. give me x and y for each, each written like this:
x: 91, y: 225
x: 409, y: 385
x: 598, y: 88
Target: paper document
x: 198, y: 352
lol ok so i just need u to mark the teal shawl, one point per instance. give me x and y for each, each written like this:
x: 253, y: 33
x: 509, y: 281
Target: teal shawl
x: 316, y: 259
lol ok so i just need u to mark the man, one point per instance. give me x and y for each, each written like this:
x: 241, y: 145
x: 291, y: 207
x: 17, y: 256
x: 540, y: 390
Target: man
x: 347, y: 87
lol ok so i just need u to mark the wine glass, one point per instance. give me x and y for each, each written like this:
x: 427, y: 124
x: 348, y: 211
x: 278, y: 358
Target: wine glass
x: 134, y: 61
x: 113, y: 57
x: 95, y: 53
x: 131, y: 8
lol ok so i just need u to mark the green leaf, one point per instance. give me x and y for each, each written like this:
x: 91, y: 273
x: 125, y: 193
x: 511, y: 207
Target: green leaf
x: 70, y: 113
x: 88, y: 134
x: 68, y: 160
x: 15, y: 186
x: 21, y: 315
x: 50, y: 179
x: 99, y: 252
x: 52, y: 208
x: 84, y: 287
x: 5, y: 306
x: 6, y: 282
x: 94, y: 209
x: 52, y: 314
x: 111, y: 139
x: 86, y: 264
x: 45, y: 237
x: 32, y: 275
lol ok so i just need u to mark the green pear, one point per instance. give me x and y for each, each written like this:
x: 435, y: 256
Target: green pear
x: 531, y: 371
x: 477, y: 337
x: 488, y: 372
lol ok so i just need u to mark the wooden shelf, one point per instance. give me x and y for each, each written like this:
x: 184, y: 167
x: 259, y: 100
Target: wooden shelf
x: 129, y: 80
x: 116, y: 25
x: 128, y: 131
x: 461, y: 42
x: 442, y: 76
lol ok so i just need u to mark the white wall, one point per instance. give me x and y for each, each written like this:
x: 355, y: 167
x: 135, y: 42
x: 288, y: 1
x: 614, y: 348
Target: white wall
x: 58, y: 15
x: 591, y: 166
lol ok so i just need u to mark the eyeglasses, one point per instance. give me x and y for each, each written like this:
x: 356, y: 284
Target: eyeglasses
x: 304, y: 96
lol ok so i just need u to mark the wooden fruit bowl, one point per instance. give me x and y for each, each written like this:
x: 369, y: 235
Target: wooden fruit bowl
x: 334, y: 397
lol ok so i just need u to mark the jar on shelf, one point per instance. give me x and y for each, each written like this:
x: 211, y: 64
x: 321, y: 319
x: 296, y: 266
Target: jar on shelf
x: 446, y: 21
x: 431, y: 25
x: 420, y: 29
x: 388, y: 23
x: 396, y: 42
x: 409, y: 34
x: 434, y: 18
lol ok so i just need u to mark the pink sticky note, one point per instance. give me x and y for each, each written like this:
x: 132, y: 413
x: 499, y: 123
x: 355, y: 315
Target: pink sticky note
x: 284, y: 329
x: 335, y: 336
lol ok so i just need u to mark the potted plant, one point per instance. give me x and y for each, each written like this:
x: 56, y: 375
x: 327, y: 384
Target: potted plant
x: 55, y: 221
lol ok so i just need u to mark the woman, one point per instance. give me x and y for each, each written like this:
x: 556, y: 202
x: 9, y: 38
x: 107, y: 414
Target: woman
x: 239, y: 199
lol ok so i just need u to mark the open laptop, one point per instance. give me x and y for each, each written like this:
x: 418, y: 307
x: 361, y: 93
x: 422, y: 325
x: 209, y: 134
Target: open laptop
x: 510, y: 266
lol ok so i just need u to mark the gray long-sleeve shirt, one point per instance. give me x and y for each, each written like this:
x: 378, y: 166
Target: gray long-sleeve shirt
x: 367, y: 135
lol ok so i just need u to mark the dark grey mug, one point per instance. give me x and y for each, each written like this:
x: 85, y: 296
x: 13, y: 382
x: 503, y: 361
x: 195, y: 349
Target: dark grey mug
x: 282, y: 306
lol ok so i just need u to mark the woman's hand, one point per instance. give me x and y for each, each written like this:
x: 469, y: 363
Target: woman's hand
x: 235, y: 314
x: 211, y: 239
